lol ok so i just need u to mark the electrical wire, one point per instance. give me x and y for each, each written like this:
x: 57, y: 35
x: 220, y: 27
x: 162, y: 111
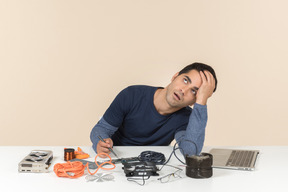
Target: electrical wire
x: 159, y: 158
x: 70, y: 169
x: 76, y: 169
x: 178, y: 148
x: 152, y: 156
x: 136, y: 180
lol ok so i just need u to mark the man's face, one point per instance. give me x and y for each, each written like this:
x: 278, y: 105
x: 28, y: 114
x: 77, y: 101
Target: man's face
x: 182, y: 90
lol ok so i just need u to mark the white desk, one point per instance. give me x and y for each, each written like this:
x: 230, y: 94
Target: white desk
x: 270, y: 174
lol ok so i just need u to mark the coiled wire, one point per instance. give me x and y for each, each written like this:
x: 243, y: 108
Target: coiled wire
x: 152, y: 156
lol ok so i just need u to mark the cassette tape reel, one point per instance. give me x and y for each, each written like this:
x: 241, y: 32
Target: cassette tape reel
x: 38, y: 161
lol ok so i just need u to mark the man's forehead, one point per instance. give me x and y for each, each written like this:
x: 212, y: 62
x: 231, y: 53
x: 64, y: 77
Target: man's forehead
x: 192, y: 74
x: 194, y: 77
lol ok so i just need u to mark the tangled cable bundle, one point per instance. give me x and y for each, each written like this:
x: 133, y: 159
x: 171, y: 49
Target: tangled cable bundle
x: 70, y: 169
x: 152, y: 156
x: 76, y: 169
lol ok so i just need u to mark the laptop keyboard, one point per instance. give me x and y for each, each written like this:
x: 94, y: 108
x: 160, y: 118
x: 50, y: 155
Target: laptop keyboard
x: 240, y: 158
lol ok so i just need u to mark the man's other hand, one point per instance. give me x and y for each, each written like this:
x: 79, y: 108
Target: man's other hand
x: 206, y: 89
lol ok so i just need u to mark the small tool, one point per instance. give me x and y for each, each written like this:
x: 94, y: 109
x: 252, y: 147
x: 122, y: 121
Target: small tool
x: 79, y: 154
x: 108, y: 147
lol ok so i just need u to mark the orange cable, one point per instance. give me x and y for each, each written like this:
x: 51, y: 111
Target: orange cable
x: 76, y: 169
x: 70, y: 169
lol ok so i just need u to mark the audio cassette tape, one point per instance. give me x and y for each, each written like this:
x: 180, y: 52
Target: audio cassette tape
x: 38, y: 161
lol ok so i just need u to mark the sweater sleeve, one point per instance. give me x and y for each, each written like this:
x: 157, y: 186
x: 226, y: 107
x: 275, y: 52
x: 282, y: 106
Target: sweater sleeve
x: 191, y: 140
x: 112, y: 118
x: 102, y: 128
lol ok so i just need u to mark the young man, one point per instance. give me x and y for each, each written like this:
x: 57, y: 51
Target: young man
x: 145, y: 115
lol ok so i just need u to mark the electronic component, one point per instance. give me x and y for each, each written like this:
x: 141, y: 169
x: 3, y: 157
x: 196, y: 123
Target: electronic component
x: 140, y: 169
x: 152, y: 156
x: 69, y: 153
x: 199, y: 166
x: 38, y: 161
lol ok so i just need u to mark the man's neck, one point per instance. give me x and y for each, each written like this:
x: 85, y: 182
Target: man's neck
x: 161, y: 104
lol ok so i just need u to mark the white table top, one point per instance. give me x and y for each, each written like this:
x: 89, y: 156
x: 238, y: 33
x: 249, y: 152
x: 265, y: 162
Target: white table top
x: 270, y: 173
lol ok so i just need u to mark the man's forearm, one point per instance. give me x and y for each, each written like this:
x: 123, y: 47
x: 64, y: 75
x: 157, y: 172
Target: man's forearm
x: 101, y: 128
x: 192, y: 140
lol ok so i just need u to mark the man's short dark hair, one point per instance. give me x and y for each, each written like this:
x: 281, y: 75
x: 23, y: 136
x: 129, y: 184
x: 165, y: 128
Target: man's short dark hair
x: 200, y: 67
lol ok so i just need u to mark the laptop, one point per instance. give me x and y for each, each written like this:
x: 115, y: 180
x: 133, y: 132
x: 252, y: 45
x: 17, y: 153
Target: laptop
x: 234, y: 159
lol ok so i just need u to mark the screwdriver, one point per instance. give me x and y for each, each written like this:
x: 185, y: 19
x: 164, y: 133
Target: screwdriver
x: 108, y: 147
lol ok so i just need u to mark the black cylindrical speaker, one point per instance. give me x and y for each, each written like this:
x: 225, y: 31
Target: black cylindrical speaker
x: 199, y: 166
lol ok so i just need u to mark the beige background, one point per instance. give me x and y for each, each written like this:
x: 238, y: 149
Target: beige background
x: 63, y: 61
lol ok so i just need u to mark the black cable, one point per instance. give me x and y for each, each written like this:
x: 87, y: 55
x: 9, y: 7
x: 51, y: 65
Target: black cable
x: 186, y: 140
x: 136, y: 180
x: 174, y: 152
x: 152, y: 156
x: 159, y: 158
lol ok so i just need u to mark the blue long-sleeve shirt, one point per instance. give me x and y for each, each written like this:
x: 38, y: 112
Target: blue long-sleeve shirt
x: 132, y: 120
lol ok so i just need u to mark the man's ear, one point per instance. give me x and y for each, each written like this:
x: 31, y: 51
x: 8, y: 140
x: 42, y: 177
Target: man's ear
x: 174, y: 76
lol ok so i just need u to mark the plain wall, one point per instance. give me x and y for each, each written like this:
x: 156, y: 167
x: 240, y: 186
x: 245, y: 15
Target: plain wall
x: 62, y: 62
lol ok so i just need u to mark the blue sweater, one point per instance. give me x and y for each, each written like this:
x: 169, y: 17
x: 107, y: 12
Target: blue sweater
x: 132, y: 120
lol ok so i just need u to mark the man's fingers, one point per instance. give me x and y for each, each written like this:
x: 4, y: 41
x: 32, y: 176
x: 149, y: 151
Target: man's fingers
x: 107, y: 143
x: 104, y: 150
x: 203, y: 76
x: 207, y: 75
x: 102, y: 147
x: 210, y: 79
